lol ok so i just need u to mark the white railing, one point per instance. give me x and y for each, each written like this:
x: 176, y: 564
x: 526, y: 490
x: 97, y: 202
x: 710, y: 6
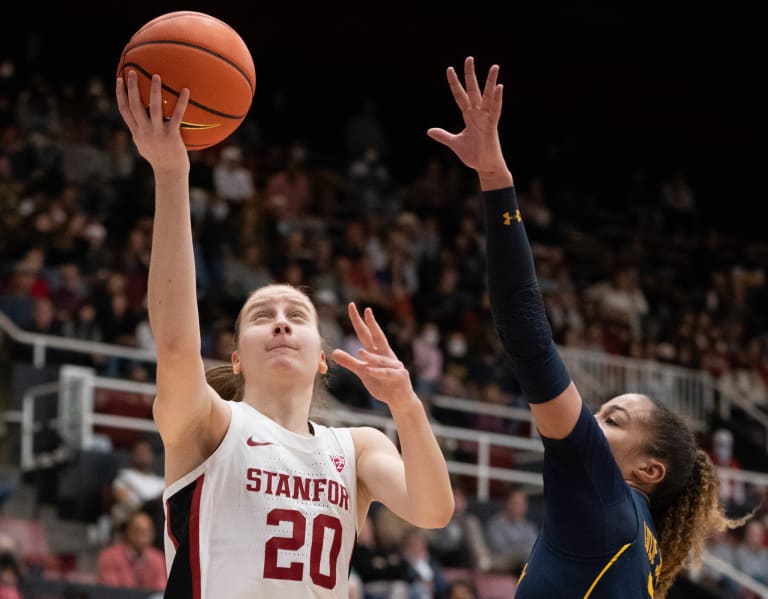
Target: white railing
x: 77, y: 418
x: 757, y: 416
x: 472, y: 406
x: 687, y: 392
x: 729, y: 571
x: 40, y: 344
x: 599, y: 375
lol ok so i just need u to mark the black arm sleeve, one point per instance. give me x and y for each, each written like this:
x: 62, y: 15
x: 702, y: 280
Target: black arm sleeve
x: 516, y: 302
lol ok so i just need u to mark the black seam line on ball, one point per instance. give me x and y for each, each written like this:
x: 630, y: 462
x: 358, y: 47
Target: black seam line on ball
x: 148, y: 75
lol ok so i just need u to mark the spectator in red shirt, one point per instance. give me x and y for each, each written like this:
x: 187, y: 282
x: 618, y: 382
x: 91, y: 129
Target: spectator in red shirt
x: 10, y: 575
x: 133, y: 562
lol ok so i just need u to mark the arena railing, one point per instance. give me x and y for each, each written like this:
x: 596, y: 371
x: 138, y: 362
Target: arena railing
x: 597, y: 374
x: 77, y: 422
x: 41, y: 343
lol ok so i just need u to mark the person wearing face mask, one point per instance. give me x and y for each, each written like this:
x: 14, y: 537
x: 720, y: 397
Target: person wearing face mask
x: 260, y: 500
x: 427, y: 360
x: 629, y: 498
x: 733, y: 493
x: 456, y: 360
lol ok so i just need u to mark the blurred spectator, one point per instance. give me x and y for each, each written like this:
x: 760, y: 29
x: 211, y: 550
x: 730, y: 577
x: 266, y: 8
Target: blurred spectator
x: 370, y: 179
x: 355, y: 586
x: 425, y: 573
x: 245, y: 272
x: 7, y: 487
x: 732, y: 492
x: 138, y: 485
x: 118, y: 323
x: 232, y: 181
x: 621, y: 299
x: 678, y: 200
x: 538, y: 215
x: 427, y: 360
x: 17, y: 301
x: 456, y: 360
x: 751, y: 554
x: 511, y: 534
x: 722, y: 545
x: 462, y: 589
x: 382, y: 569
x: 743, y: 383
x: 132, y: 561
x: 10, y: 576
x: 462, y: 543
x: 69, y: 291
x: 291, y: 184
x: 84, y: 325
x: 363, y: 129
x: 328, y: 313
x: 44, y: 322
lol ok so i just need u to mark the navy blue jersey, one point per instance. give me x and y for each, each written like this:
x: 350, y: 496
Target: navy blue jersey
x: 597, y: 539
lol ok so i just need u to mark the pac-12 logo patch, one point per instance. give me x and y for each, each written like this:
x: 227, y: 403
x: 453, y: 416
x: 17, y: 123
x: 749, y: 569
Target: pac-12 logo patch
x: 338, y: 461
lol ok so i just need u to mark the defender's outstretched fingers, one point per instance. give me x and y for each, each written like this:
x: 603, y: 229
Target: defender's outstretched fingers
x: 470, y: 81
x: 459, y: 94
x: 497, y: 101
x: 490, y: 87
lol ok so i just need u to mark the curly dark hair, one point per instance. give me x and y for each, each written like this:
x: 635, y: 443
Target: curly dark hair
x: 685, y: 506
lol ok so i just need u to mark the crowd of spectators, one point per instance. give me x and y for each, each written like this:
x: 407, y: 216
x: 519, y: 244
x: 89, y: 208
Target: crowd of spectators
x: 646, y: 276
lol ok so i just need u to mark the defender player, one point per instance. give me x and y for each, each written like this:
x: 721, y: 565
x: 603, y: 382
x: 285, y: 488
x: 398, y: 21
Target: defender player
x: 627, y: 493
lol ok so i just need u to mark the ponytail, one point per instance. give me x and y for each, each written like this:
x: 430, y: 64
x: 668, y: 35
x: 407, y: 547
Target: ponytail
x: 685, y: 506
x: 226, y: 383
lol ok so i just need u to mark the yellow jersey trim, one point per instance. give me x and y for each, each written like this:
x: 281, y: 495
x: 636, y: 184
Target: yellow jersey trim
x: 604, y: 570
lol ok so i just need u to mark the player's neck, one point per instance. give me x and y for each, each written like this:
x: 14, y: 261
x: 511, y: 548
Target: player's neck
x: 644, y: 490
x: 288, y: 407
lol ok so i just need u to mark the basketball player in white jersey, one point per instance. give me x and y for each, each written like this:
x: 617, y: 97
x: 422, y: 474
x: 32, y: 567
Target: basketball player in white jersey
x: 261, y: 502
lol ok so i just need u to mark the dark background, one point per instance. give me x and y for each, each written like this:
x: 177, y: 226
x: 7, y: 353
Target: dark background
x: 675, y: 86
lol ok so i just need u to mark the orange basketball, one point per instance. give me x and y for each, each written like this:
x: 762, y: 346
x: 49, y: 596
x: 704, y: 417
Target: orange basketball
x: 194, y: 50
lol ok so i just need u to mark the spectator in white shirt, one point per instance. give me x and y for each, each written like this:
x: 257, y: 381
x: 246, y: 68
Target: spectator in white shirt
x: 232, y: 181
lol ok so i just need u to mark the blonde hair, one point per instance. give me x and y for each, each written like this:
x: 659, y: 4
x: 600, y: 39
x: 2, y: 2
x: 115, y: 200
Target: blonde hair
x: 229, y: 385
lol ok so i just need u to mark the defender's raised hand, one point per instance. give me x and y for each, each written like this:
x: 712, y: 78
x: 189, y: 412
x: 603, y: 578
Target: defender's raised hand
x: 477, y: 145
x: 158, y: 141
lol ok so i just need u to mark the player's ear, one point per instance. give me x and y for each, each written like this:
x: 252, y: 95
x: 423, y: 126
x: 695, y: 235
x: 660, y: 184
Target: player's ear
x: 651, y: 471
x: 235, y: 362
x: 322, y: 367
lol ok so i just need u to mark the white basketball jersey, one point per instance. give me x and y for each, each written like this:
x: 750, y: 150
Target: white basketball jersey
x: 268, y: 514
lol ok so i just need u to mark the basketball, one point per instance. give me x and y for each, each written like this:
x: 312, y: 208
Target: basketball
x: 200, y: 52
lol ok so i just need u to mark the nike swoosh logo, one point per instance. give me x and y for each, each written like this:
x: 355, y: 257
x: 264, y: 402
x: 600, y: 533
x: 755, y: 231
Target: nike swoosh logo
x: 253, y: 443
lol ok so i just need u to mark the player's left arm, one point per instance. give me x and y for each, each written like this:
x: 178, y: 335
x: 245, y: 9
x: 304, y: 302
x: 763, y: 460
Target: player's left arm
x: 414, y: 481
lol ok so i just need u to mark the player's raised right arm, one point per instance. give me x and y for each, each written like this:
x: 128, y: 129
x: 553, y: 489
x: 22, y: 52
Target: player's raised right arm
x: 183, y: 398
x: 516, y: 302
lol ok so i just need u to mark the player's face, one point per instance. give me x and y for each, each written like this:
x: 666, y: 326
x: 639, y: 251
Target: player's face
x: 279, y: 337
x: 625, y: 423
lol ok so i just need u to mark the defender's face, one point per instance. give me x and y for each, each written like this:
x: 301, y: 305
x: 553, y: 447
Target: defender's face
x: 625, y: 422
